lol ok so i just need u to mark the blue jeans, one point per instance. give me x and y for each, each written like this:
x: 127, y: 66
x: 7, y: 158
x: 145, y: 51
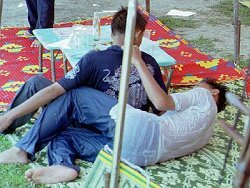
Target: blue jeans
x: 40, y: 14
x: 31, y: 87
x: 76, y: 124
x: 72, y: 143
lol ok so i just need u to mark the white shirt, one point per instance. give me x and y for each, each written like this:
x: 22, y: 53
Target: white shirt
x: 149, y: 139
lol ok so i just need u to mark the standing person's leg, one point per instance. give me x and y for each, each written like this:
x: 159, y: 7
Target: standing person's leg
x: 45, y: 19
x: 32, y: 14
x: 83, y: 105
x: 63, y: 150
x: 46, y: 13
x: 32, y: 86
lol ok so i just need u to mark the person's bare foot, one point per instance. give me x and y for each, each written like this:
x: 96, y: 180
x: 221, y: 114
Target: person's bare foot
x: 51, y: 174
x: 5, y: 122
x: 35, y: 43
x: 13, y: 155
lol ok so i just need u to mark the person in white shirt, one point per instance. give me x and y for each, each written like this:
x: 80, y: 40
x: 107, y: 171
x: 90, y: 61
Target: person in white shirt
x: 186, y: 126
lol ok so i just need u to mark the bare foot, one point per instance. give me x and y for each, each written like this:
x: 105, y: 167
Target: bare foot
x: 5, y: 122
x: 51, y: 174
x: 35, y: 43
x: 13, y: 155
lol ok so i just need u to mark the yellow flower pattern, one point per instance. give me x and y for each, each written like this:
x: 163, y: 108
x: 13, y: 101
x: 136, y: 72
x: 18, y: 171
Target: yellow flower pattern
x: 208, y: 64
x: 188, y: 79
x: 12, y: 86
x: 11, y: 47
x: 22, y: 33
x: 33, y: 69
x: 169, y: 43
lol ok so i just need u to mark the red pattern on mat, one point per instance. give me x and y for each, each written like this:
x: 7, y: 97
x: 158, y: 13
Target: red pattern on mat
x: 18, y: 61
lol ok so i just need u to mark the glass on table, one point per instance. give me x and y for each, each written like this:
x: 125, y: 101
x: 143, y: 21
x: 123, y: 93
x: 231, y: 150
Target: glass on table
x: 88, y: 38
x: 81, y: 37
x: 75, y: 38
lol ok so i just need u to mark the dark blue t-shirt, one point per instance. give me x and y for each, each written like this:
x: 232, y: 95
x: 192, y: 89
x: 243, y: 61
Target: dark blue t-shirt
x: 102, y: 70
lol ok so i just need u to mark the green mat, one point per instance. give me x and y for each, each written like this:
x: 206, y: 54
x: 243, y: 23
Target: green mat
x: 199, y: 169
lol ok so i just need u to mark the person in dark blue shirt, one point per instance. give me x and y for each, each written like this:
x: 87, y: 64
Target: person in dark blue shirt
x: 76, y: 120
x: 101, y: 70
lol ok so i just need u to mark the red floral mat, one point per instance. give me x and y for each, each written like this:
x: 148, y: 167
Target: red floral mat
x: 18, y: 61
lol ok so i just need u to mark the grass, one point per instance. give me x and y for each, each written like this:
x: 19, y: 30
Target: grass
x: 12, y: 175
x: 174, y: 23
x: 243, y: 62
x: 216, y: 20
x: 4, y: 143
x: 226, y: 8
x: 204, y: 44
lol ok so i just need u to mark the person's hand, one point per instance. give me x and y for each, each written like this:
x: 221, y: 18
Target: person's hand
x: 5, y: 122
x: 136, y: 55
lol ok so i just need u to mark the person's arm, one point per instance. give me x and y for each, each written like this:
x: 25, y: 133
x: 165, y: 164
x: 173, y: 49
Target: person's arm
x: 40, y: 99
x: 157, y: 96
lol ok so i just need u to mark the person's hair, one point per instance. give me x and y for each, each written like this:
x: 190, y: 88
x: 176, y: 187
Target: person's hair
x: 119, y: 21
x: 221, y: 103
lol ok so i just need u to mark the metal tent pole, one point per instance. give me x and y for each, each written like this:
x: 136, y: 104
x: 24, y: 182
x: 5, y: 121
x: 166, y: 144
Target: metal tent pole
x: 236, y: 32
x: 122, y: 99
x: 148, y: 6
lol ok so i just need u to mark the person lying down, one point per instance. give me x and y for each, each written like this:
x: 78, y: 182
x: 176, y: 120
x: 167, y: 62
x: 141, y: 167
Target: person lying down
x: 185, y: 127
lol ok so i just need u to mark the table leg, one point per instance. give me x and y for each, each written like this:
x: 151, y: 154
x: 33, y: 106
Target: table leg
x: 148, y: 6
x: 40, y: 59
x: 53, y: 72
x: 65, y: 64
x: 170, y: 74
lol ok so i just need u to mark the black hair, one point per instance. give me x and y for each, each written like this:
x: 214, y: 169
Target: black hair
x: 221, y: 103
x: 120, y: 17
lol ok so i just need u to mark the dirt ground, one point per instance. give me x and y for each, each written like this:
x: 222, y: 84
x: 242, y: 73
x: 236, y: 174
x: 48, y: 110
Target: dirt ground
x: 15, y: 14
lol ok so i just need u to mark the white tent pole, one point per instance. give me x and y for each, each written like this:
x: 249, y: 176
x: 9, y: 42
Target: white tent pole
x: 1, y: 12
x: 122, y: 99
x: 236, y: 31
